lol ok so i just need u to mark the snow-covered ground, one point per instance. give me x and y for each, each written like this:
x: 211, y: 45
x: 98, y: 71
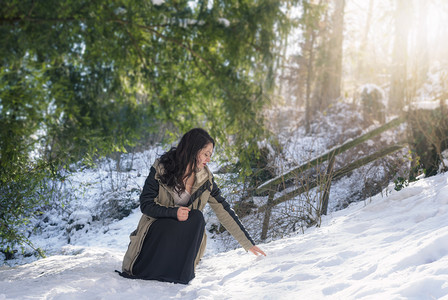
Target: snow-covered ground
x: 389, y: 247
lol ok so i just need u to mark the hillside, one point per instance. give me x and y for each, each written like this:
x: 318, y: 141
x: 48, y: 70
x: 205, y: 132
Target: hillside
x: 390, y: 247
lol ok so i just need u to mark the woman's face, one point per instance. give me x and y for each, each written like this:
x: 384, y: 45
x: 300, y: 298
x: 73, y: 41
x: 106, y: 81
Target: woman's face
x: 204, y: 156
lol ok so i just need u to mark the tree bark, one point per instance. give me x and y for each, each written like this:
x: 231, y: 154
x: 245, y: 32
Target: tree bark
x: 399, y: 57
x: 365, y: 38
x: 422, y: 42
x: 331, y: 87
x: 310, y: 62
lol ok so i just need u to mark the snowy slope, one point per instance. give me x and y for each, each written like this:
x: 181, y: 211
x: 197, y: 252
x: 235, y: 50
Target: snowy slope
x: 390, y: 247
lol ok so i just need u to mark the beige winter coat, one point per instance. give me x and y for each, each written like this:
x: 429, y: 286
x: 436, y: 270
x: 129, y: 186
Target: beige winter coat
x: 161, y: 203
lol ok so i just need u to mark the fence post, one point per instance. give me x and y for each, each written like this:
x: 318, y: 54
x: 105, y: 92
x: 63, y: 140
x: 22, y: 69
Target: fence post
x: 327, y: 186
x: 267, y: 215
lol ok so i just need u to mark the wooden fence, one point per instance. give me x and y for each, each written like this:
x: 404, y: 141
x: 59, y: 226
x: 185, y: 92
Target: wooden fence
x: 280, y: 183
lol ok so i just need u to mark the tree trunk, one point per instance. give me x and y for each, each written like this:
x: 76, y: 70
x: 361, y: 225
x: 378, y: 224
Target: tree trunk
x: 399, y: 57
x: 331, y: 87
x: 365, y: 38
x: 422, y: 42
x: 312, y: 14
x: 310, y: 62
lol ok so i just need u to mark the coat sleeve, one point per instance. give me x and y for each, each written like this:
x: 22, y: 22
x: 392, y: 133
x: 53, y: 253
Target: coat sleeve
x: 147, y: 204
x: 228, y: 218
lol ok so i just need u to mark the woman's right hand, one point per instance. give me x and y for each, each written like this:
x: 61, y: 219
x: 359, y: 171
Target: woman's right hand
x: 182, y: 213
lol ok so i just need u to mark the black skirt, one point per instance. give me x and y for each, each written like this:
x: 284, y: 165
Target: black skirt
x: 170, y: 249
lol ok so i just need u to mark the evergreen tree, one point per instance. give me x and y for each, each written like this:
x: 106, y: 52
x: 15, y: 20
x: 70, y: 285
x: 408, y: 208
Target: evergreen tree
x: 80, y: 79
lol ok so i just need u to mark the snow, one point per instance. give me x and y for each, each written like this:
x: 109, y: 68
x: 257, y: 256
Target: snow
x: 158, y: 2
x: 427, y: 105
x: 224, y: 22
x: 388, y: 247
x: 432, y: 92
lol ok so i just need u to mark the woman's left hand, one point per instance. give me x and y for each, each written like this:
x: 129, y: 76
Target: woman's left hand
x: 257, y: 251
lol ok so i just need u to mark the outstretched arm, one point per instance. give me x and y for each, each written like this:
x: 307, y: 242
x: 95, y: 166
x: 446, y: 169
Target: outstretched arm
x: 231, y: 222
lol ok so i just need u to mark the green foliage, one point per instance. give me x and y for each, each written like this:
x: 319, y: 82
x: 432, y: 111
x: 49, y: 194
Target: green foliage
x: 82, y: 79
x: 20, y: 200
x: 414, y: 171
x: 400, y: 183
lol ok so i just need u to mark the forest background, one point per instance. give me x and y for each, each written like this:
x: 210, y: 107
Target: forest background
x: 84, y: 80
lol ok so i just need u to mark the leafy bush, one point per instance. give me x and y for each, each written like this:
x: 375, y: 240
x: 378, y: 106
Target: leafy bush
x: 20, y: 199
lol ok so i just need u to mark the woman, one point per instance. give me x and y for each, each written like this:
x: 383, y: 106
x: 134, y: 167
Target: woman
x: 170, y: 238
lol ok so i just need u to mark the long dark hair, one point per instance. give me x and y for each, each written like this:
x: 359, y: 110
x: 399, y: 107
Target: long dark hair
x: 176, y: 160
